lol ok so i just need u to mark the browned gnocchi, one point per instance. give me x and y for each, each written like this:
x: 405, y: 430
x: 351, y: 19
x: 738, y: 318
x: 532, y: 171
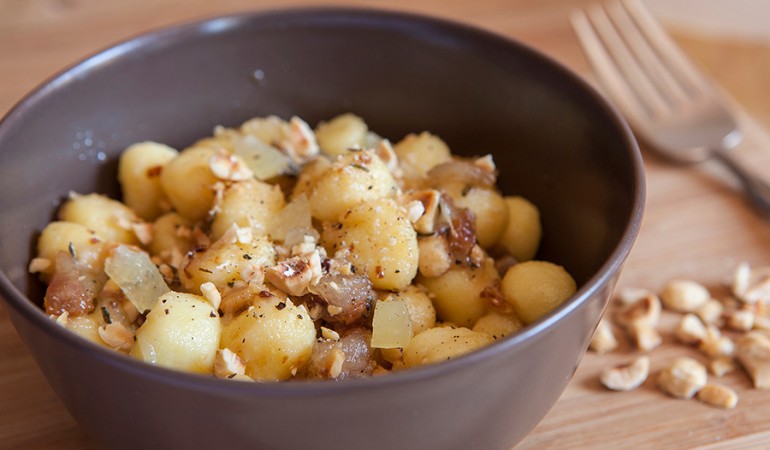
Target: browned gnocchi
x: 274, y: 251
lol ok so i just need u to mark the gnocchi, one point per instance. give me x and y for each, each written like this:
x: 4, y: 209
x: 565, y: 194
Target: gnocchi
x: 274, y: 251
x: 181, y: 332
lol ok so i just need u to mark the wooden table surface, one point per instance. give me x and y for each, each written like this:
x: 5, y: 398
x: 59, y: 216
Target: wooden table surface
x: 696, y: 224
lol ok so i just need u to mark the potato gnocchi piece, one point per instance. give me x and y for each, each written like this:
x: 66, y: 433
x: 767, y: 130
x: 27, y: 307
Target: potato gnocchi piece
x: 535, y: 288
x: 188, y: 182
x: 171, y: 232
x: 420, y: 308
x: 270, y: 129
x: 86, y: 326
x: 139, y: 170
x: 309, y: 176
x: 421, y: 152
x: 381, y: 242
x: 73, y: 238
x: 523, y: 230
x: 498, y: 325
x: 341, y: 134
x: 226, y: 262
x: 354, y: 178
x: 490, y: 209
x: 181, y: 332
x: 442, y: 344
x: 457, y: 294
x: 110, y: 219
x: 274, y: 338
x: 247, y: 204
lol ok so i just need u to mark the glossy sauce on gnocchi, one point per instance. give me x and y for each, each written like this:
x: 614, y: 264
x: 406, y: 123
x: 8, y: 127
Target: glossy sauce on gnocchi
x: 275, y: 251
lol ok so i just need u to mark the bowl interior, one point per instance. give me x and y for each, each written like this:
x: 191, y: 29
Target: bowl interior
x: 552, y: 141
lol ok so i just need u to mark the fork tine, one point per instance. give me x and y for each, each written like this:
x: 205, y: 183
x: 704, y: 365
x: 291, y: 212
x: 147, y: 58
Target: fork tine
x: 671, y: 89
x: 689, y: 75
x: 612, y: 80
x: 610, y: 51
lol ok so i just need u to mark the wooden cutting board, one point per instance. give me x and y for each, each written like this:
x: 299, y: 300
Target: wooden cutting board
x: 696, y: 225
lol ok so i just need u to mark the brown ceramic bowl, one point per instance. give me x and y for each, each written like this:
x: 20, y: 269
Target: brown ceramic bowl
x: 554, y: 139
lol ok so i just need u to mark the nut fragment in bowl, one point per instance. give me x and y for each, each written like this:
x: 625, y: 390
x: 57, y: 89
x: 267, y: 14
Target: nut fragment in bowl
x: 494, y: 97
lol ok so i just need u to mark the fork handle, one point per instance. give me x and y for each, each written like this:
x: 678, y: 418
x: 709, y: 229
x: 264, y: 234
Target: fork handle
x: 756, y: 189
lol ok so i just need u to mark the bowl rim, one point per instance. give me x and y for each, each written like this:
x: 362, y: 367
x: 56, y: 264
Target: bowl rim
x: 385, y: 18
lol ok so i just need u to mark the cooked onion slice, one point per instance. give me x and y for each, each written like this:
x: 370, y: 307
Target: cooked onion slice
x: 264, y: 160
x: 293, y: 223
x: 391, y: 325
x: 461, y: 172
x: 138, y: 278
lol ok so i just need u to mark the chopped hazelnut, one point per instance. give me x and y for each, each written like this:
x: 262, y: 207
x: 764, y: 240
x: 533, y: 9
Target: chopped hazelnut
x: 684, y: 295
x: 296, y: 274
x: 229, y: 167
x: 302, y: 142
x: 117, y: 336
x: 426, y: 222
x: 718, y: 395
x: 143, y: 232
x: 486, y: 163
x: 710, y: 312
x: 753, y: 353
x: 690, y: 330
x: 211, y: 294
x: 631, y: 295
x: 721, y: 365
x: 741, y: 279
x: 434, y: 258
x: 227, y: 364
x: 335, y: 365
x: 603, y: 340
x: 715, y: 344
x: 627, y: 377
x: 683, y: 378
x: 39, y: 265
x: 740, y: 320
x: 759, y: 292
x: 330, y: 334
x: 63, y: 318
x: 388, y: 156
x: 640, y: 319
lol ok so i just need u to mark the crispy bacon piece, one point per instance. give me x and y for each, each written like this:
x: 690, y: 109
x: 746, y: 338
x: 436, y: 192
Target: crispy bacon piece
x: 350, y: 357
x: 461, y: 233
x: 463, y: 172
x: 71, y: 289
x: 348, y: 298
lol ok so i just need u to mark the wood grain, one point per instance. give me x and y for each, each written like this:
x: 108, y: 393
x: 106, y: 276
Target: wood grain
x: 696, y: 225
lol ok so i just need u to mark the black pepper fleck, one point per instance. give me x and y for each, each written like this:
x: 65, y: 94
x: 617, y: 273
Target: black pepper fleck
x: 106, y: 315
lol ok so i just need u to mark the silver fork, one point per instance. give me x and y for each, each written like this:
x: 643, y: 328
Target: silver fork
x: 669, y: 103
